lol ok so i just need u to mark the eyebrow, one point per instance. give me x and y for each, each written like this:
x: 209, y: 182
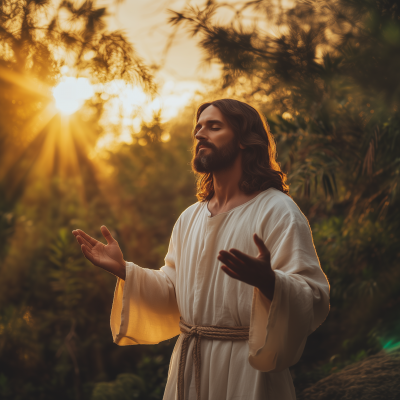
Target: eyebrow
x: 209, y: 122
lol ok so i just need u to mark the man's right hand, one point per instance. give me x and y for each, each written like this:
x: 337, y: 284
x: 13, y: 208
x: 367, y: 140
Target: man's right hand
x: 108, y: 257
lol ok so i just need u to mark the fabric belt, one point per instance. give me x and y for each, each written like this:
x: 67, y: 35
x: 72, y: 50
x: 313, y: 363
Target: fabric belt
x: 214, y: 332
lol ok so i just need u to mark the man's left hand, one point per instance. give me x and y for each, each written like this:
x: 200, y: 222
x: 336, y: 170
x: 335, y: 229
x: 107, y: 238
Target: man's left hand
x: 255, y: 271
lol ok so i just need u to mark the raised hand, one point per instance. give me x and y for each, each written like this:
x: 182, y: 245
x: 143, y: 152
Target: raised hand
x: 108, y: 257
x: 255, y: 271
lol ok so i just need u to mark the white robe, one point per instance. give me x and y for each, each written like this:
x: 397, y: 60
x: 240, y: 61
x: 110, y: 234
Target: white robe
x: 148, y: 304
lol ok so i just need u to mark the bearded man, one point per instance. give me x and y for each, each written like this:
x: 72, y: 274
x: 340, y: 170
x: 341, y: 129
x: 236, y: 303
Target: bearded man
x: 241, y: 284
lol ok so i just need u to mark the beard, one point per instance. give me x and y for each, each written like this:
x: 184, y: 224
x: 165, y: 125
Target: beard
x: 217, y: 159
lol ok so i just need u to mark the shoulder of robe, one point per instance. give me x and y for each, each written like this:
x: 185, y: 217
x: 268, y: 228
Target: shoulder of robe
x: 189, y: 213
x: 277, y: 207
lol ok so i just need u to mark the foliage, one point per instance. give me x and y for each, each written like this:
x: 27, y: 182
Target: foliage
x: 159, y: 186
x: 55, y: 306
x: 72, y: 32
x: 148, y: 382
x: 55, y: 339
x: 32, y: 51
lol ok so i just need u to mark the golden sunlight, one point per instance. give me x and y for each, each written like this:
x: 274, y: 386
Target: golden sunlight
x: 71, y: 93
x: 128, y: 106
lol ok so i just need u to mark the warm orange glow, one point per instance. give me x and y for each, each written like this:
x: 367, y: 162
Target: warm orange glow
x: 128, y: 106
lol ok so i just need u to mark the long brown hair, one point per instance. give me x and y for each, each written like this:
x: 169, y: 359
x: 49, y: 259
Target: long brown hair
x: 260, y: 168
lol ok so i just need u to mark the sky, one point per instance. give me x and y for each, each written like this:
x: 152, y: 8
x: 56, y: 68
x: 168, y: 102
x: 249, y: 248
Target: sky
x: 146, y: 24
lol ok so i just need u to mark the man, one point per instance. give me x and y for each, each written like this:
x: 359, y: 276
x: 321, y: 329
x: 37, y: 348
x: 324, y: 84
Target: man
x: 241, y: 281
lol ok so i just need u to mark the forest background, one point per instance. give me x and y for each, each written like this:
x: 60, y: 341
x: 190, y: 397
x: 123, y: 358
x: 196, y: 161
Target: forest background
x: 328, y: 85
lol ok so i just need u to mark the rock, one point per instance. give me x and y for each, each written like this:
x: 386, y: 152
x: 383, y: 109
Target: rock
x: 375, y: 378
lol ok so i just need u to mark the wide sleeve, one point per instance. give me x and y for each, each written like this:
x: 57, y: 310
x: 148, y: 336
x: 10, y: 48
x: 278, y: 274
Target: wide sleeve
x: 279, y: 329
x: 145, y: 309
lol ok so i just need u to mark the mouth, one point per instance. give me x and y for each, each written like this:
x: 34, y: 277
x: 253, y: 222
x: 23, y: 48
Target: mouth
x: 203, y: 147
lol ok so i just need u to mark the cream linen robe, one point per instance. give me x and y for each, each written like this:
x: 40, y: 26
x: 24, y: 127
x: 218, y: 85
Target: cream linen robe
x: 148, y: 304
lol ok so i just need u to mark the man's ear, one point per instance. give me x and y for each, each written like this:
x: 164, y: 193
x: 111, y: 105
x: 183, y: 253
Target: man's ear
x: 241, y: 146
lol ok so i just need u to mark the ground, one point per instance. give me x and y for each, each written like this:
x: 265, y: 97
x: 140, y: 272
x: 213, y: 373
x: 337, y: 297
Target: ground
x: 375, y: 378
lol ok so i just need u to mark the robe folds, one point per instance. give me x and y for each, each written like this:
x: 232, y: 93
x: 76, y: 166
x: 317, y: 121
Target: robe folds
x: 147, y: 306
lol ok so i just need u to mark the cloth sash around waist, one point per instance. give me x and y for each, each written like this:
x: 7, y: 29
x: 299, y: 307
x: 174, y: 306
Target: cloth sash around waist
x: 214, y: 332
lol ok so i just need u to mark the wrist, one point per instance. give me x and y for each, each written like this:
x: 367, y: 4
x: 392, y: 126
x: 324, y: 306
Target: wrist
x: 267, y: 287
x: 122, y: 270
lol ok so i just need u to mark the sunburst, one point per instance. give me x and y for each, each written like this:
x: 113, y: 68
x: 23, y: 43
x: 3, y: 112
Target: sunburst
x: 71, y: 93
x: 50, y: 136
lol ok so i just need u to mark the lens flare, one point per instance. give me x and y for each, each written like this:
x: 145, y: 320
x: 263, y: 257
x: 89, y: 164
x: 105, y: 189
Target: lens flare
x: 71, y: 93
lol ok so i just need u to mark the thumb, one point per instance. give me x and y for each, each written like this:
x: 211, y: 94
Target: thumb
x: 262, y: 248
x: 107, y: 235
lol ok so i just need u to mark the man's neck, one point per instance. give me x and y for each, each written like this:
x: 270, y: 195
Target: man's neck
x: 227, y: 194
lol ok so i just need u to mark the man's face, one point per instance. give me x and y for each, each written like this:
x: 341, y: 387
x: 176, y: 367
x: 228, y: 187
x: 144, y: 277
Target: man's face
x: 217, y: 147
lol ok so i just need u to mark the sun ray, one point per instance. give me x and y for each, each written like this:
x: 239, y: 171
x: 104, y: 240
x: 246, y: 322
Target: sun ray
x: 68, y: 157
x: 82, y: 136
x: 28, y: 83
x: 45, y: 163
x: 30, y: 130
x: 39, y: 121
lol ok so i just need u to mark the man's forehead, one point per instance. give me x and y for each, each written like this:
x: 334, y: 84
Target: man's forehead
x: 211, y: 113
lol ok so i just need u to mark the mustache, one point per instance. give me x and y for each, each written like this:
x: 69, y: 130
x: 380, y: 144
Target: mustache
x: 204, y: 144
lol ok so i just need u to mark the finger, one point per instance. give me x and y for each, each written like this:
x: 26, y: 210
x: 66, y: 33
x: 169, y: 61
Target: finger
x: 81, y: 241
x: 245, y: 258
x: 229, y: 256
x: 237, y: 267
x: 231, y: 263
x: 229, y: 272
x: 262, y: 248
x: 107, y: 235
x: 91, y: 240
x: 87, y: 253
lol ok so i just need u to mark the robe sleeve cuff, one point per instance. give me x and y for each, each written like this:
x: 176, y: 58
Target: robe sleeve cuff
x: 261, y: 322
x: 279, y: 328
x: 117, y: 320
x: 145, y: 309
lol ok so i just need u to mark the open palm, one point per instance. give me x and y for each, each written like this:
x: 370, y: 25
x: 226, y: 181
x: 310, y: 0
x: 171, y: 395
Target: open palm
x: 255, y: 271
x: 108, y: 257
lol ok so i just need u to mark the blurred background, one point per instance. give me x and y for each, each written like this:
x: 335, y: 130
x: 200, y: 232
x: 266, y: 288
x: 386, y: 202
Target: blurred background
x: 96, y: 108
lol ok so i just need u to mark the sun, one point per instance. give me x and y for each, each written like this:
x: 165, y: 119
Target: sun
x: 71, y: 93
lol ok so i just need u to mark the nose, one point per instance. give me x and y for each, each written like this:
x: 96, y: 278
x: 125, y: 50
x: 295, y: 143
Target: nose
x: 200, y: 135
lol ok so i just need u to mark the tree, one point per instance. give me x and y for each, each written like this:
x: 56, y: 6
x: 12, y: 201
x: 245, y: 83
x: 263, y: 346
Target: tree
x: 31, y: 55
x: 55, y: 339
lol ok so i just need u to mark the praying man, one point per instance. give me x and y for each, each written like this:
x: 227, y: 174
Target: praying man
x: 241, y: 284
